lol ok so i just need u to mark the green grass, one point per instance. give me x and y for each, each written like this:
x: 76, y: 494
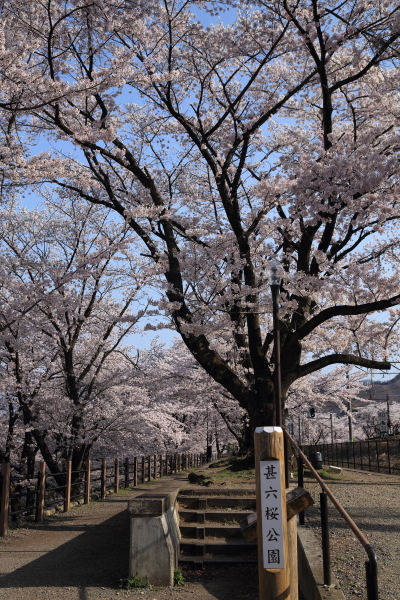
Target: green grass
x: 178, y: 577
x: 233, y: 469
x: 134, y: 582
x: 245, y: 475
x: 324, y: 473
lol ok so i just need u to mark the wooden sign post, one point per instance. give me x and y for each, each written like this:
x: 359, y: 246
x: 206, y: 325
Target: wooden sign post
x: 273, y: 551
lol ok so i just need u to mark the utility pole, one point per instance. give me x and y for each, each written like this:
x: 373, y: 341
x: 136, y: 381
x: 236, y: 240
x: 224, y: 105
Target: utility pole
x: 387, y: 404
x: 349, y: 411
x: 350, y: 421
x: 388, y: 416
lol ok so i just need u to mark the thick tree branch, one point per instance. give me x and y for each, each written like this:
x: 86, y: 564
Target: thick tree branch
x: 345, y: 359
x: 343, y: 311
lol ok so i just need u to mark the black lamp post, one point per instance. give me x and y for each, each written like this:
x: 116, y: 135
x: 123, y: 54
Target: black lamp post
x: 275, y: 279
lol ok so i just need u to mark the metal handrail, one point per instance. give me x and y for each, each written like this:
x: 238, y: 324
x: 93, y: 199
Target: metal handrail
x: 371, y: 565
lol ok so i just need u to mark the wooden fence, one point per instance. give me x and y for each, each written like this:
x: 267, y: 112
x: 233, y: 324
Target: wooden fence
x: 23, y: 497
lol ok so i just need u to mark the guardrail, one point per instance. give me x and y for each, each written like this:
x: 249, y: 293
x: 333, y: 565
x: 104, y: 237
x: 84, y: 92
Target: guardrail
x: 371, y: 564
x: 30, y: 497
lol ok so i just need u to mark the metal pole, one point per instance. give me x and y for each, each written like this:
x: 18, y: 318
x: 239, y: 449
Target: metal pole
x: 300, y: 440
x: 277, y: 358
x: 331, y: 428
x: 326, y: 553
x: 350, y: 421
x: 372, y: 574
x: 388, y: 413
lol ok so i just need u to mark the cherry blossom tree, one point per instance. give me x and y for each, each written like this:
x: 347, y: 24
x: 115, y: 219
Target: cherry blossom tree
x: 273, y: 136
x: 203, y: 412
x: 67, y: 373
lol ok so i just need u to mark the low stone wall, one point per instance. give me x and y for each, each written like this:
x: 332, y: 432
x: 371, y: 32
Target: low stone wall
x: 155, y: 535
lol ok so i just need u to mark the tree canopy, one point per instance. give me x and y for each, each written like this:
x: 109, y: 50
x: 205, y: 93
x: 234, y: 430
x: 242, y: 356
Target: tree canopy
x: 274, y: 135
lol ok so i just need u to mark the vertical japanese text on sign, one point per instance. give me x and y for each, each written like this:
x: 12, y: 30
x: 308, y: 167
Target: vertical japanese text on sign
x: 272, y: 514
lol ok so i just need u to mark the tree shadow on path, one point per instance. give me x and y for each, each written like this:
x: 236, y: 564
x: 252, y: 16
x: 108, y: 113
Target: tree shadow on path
x: 98, y: 557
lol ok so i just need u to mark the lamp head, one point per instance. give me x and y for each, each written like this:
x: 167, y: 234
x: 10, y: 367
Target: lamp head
x: 274, y: 270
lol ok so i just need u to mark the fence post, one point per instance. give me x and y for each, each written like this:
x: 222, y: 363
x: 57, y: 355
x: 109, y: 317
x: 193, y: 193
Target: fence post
x: 67, y: 497
x: 326, y: 553
x: 126, y: 473
x: 116, y: 476
x: 5, y: 498
x: 103, y: 481
x: 377, y: 456
x: 160, y: 464
x: 369, y: 457
x: 154, y: 467
x: 135, y: 471
x: 87, y: 482
x: 41, y: 492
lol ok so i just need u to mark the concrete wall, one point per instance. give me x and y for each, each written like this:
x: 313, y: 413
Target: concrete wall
x: 311, y: 572
x: 155, y: 536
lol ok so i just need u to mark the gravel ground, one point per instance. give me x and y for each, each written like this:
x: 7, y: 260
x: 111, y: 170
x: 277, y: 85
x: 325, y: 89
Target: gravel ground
x: 83, y: 554
x: 373, y: 502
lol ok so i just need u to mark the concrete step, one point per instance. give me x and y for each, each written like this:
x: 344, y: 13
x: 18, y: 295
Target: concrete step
x: 202, y: 533
x: 205, y: 503
x: 198, y: 562
x: 211, y: 516
x: 227, y: 547
x: 222, y: 491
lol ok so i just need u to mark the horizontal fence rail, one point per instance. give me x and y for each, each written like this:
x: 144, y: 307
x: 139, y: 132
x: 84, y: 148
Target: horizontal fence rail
x: 31, y: 497
x: 379, y: 456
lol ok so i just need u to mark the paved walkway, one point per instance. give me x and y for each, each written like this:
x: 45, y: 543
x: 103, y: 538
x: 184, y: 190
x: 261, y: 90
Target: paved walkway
x: 373, y: 501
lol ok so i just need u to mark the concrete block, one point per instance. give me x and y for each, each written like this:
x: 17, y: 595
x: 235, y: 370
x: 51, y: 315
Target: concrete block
x: 333, y: 469
x: 155, y: 537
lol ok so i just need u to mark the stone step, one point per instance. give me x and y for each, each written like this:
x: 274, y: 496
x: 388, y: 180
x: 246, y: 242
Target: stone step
x: 205, y: 503
x: 212, y: 516
x: 227, y: 547
x: 201, y: 533
x: 250, y: 492
x: 198, y: 562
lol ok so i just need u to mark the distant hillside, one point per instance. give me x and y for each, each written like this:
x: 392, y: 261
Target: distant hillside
x: 378, y: 391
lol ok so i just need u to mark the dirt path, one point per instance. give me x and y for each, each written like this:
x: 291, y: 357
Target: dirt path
x: 373, y: 501
x: 83, y: 554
